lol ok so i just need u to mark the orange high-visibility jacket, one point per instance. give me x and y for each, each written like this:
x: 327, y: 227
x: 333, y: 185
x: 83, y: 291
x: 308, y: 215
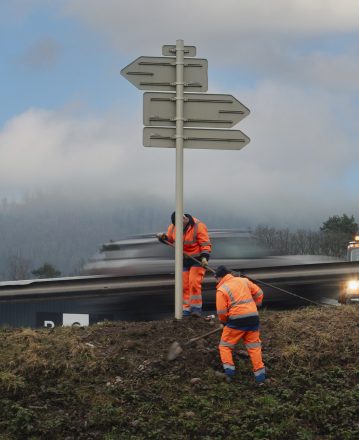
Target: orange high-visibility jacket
x: 195, y: 238
x: 237, y: 299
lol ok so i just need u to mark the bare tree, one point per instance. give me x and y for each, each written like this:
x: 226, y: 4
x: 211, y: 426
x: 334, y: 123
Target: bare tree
x: 267, y: 235
x: 17, y: 267
x: 304, y: 242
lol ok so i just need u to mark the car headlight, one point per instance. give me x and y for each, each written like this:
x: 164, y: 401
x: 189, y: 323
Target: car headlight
x: 353, y: 285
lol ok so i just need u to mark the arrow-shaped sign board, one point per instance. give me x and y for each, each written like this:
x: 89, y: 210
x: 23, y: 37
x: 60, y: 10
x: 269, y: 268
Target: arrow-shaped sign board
x: 159, y: 73
x: 200, y: 110
x: 165, y: 137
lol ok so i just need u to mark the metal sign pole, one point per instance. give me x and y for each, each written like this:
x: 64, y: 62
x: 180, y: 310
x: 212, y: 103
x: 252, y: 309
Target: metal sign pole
x: 179, y: 179
x: 167, y: 73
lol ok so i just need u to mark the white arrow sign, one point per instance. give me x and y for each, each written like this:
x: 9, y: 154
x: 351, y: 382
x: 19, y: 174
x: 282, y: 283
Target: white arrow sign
x: 164, y: 137
x: 159, y: 73
x: 200, y: 110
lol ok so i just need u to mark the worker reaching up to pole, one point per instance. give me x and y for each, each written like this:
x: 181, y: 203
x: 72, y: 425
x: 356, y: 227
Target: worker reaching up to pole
x: 197, y: 244
x: 237, y: 299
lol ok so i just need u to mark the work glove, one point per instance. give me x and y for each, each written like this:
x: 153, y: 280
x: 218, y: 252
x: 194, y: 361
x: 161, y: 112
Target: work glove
x: 204, y: 262
x: 162, y: 237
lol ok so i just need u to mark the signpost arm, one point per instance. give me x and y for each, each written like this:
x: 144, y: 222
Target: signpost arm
x: 179, y: 179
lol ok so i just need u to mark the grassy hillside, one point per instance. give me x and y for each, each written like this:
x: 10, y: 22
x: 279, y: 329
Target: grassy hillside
x: 113, y: 381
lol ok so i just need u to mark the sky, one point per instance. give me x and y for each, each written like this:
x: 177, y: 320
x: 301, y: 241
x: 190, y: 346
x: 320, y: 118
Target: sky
x: 70, y: 122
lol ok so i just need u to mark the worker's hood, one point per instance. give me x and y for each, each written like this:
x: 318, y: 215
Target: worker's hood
x: 190, y: 218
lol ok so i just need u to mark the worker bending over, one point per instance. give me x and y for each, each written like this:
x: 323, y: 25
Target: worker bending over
x: 237, y: 300
x: 196, y: 243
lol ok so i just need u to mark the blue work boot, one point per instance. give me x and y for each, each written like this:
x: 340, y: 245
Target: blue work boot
x: 229, y: 372
x: 186, y: 314
x: 260, y: 376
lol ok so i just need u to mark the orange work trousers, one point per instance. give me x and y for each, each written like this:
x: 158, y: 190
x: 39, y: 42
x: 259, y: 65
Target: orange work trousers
x: 231, y: 337
x: 192, y: 288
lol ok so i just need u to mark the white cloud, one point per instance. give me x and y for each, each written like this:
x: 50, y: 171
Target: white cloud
x: 303, y: 121
x: 202, y: 18
x: 298, y: 147
x: 273, y: 39
x: 48, y: 149
x: 41, y: 148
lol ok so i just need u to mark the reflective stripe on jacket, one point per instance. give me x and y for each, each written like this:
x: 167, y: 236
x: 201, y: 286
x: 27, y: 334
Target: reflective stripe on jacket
x: 195, y: 238
x: 236, y: 301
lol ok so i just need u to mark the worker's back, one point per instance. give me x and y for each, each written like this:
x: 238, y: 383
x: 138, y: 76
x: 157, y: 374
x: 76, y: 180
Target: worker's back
x: 238, y: 291
x: 237, y: 300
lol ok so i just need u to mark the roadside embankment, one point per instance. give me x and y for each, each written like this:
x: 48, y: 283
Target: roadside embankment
x: 112, y: 381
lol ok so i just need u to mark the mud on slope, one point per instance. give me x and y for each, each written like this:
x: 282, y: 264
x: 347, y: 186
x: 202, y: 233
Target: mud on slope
x: 112, y: 381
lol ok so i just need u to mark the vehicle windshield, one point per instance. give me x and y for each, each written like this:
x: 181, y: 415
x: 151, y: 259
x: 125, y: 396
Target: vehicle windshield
x: 237, y: 247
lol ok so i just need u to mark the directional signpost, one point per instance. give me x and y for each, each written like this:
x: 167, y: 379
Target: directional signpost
x: 165, y: 137
x: 200, y: 110
x: 159, y: 73
x: 170, y: 118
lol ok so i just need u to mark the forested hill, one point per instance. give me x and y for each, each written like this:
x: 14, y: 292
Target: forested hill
x: 66, y: 232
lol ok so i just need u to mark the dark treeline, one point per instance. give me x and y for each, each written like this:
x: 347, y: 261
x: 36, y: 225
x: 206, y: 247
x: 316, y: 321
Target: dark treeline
x: 65, y: 232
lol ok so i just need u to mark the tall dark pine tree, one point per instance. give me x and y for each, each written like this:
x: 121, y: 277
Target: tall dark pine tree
x: 337, y: 231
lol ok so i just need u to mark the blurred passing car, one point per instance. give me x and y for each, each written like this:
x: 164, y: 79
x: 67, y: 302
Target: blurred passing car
x: 145, y: 255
